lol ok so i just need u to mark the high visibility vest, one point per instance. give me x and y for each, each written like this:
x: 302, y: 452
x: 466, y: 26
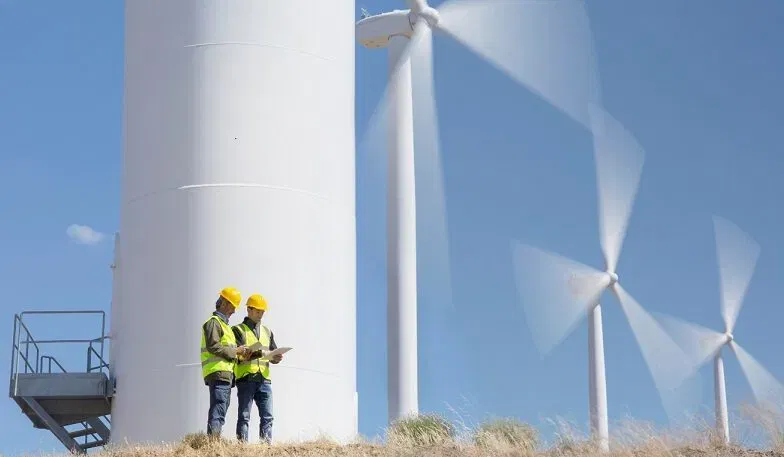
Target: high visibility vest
x: 248, y: 367
x: 211, y: 363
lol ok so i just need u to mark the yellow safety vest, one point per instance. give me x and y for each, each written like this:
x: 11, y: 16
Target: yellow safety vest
x: 248, y: 367
x: 211, y: 363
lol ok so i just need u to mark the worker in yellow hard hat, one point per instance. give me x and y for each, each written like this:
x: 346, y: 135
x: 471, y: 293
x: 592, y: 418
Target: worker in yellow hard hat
x: 252, y: 374
x: 219, y: 354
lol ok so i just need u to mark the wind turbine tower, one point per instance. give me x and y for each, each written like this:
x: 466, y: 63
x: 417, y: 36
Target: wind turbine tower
x: 393, y: 31
x: 238, y: 170
x: 529, y: 42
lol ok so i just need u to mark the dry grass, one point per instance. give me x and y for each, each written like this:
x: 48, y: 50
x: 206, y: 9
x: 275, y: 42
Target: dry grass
x: 432, y: 435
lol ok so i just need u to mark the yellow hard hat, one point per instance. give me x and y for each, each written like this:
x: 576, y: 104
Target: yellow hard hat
x: 256, y: 301
x: 232, y: 295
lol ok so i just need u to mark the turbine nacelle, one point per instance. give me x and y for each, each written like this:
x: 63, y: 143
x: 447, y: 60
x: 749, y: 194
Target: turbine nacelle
x: 376, y: 31
x: 728, y: 338
x: 612, y: 281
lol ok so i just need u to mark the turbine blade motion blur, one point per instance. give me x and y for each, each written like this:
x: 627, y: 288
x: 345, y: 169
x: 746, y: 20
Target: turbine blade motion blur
x: 432, y: 232
x: 619, y: 162
x: 546, y: 46
x: 698, y: 342
x: 669, y: 365
x: 372, y: 169
x: 555, y: 292
x: 766, y: 388
x: 373, y: 145
x: 737, y: 255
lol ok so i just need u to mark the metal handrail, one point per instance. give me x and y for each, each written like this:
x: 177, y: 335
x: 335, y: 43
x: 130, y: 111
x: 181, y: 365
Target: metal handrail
x: 51, y: 360
x: 102, y: 363
x: 17, y: 345
x: 95, y: 347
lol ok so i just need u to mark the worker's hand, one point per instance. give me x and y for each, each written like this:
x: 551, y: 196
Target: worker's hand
x: 277, y: 358
x: 243, y: 352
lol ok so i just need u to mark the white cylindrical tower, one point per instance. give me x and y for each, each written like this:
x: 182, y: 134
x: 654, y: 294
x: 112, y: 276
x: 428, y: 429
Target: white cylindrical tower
x: 115, y: 314
x: 401, y: 241
x: 238, y: 171
x: 597, y: 380
x: 722, y: 419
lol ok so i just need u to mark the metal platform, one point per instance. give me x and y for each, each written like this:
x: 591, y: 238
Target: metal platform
x: 75, y: 405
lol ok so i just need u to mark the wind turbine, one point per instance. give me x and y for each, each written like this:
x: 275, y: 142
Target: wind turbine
x: 557, y: 292
x: 545, y: 46
x: 737, y: 255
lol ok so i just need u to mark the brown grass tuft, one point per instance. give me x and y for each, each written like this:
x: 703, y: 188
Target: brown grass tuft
x: 507, y: 435
x: 425, y: 430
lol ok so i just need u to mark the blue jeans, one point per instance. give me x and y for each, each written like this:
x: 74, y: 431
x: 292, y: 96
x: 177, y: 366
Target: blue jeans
x: 249, y: 392
x: 220, y: 397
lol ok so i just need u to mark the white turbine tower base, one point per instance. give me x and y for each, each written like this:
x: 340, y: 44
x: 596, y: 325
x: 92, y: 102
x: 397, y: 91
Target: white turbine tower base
x: 722, y: 419
x: 234, y: 176
x: 597, y: 382
x: 528, y: 41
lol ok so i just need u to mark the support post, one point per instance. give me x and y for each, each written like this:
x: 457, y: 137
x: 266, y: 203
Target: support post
x: 597, y: 383
x: 401, y: 240
x: 720, y: 389
x: 100, y: 428
x: 53, y: 426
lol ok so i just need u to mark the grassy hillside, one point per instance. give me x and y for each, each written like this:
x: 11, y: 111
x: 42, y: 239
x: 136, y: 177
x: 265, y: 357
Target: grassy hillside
x: 431, y: 435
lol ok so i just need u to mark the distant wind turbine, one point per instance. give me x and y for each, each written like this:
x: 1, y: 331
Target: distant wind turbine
x: 737, y: 255
x: 557, y: 292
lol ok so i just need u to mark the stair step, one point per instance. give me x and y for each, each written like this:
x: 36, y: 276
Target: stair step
x: 93, y: 444
x: 83, y: 432
x: 100, y: 428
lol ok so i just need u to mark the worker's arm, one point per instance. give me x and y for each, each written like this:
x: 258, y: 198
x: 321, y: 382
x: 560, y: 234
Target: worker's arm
x: 212, y: 334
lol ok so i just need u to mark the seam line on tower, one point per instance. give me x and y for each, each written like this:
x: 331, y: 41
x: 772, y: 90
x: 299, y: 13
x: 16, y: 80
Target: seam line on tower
x: 201, y: 186
x: 260, y: 45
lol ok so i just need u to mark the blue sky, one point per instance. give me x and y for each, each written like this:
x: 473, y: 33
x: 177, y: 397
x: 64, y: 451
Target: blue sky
x: 697, y: 83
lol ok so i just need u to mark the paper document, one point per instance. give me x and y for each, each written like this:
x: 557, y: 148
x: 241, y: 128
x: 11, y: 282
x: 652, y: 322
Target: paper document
x: 270, y: 354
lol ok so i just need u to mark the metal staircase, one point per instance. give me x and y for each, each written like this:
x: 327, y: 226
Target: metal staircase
x: 75, y: 405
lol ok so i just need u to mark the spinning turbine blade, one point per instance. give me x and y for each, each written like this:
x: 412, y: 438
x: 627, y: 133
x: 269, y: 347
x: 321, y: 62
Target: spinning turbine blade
x: 619, y: 161
x: 373, y: 150
x: 371, y: 203
x: 766, y: 388
x: 668, y: 364
x: 372, y: 146
x: 432, y: 232
x: 545, y: 45
x: 699, y: 343
x: 555, y: 291
x: 737, y: 254
x: 372, y: 173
